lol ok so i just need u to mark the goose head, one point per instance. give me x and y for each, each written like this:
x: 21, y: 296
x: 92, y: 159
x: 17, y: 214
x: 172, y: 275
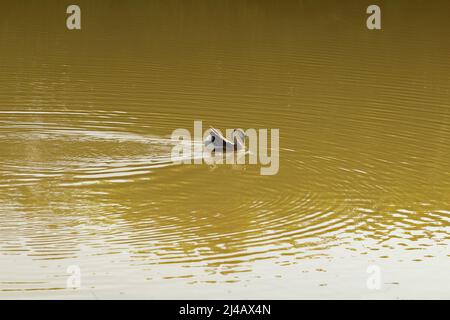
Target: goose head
x: 221, y: 144
x: 238, y: 139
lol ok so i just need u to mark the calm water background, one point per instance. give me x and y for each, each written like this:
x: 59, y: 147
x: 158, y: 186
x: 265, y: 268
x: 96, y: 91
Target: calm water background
x: 85, y: 171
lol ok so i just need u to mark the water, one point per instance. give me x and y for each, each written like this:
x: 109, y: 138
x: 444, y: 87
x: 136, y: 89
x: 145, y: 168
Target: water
x: 86, y: 177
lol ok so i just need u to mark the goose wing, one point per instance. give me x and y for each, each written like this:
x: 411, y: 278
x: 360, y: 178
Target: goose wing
x: 220, y: 137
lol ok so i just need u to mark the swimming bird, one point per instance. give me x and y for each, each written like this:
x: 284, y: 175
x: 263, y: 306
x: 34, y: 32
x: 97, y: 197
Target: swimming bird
x: 218, y: 143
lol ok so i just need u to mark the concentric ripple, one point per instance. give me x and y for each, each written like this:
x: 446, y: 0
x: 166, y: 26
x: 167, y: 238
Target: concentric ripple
x: 86, y: 176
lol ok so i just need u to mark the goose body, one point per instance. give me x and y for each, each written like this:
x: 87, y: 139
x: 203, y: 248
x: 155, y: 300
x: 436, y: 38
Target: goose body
x: 218, y: 143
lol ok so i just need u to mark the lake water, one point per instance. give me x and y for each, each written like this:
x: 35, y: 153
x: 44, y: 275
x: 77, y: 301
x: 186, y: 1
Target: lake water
x: 86, y: 178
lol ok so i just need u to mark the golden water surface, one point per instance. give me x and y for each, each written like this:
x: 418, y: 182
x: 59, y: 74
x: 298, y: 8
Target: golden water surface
x: 86, y: 177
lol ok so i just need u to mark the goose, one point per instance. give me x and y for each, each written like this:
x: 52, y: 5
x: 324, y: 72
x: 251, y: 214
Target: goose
x: 222, y: 144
